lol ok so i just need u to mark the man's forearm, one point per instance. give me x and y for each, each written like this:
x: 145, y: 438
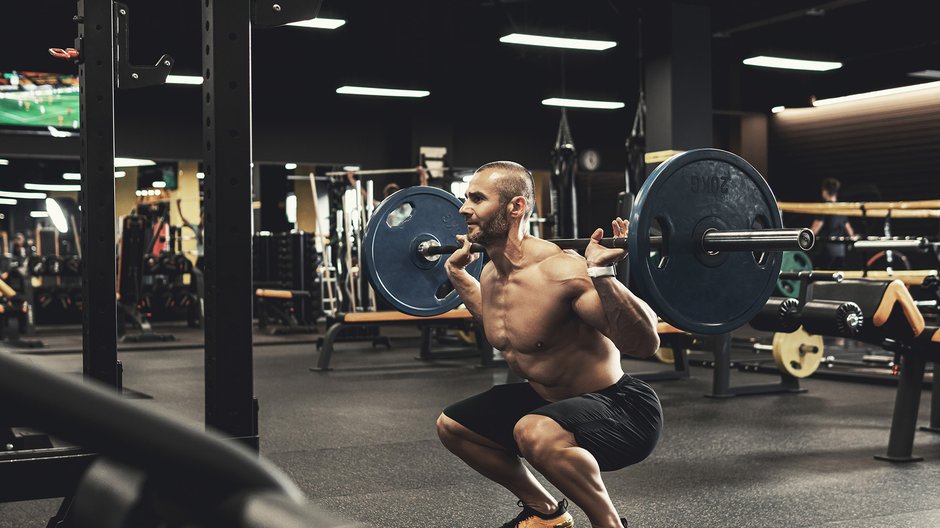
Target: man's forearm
x: 469, y: 290
x: 631, y: 322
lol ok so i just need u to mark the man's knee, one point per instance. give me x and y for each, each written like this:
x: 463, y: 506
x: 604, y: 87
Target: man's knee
x: 539, y: 438
x: 447, y: 428
x: 451, y: 431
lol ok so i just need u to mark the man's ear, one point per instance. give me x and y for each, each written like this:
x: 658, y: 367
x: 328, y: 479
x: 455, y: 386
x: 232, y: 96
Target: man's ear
x: 517, y: 206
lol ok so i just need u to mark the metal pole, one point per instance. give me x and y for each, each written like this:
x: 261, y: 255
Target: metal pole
x: 226, y: 95
x: 96, y: 72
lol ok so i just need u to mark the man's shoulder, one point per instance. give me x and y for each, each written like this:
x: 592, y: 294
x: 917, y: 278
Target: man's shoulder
x: 562, y: 266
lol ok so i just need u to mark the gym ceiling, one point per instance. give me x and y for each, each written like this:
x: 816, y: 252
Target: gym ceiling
x: 452, y: 48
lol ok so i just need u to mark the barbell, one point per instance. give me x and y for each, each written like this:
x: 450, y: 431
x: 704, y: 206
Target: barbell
x: 704, y: 244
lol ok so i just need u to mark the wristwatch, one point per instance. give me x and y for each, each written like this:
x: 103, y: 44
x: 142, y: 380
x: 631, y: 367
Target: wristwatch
x: 609, y: 271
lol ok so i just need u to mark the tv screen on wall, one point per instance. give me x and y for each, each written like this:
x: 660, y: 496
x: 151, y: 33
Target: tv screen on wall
x: 38, y: 100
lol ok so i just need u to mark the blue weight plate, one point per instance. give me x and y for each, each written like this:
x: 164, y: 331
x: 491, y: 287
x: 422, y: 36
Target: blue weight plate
x: 684, y: 196
x: 406, y: 280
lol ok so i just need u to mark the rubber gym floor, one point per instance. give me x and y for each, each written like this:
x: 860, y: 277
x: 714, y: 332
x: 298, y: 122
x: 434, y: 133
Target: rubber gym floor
x: 360, y: 441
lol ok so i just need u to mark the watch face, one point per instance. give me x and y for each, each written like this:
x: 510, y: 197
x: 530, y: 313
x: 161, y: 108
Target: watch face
x: 590, y: 159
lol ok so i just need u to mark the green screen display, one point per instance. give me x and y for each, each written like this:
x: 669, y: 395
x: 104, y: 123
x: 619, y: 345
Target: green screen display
x: 36, y: 99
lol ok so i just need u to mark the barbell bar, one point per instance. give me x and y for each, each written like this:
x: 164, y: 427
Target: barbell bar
x: 757, y: 240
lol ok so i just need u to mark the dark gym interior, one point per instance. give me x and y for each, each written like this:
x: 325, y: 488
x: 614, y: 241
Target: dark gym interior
x: 230, y: 294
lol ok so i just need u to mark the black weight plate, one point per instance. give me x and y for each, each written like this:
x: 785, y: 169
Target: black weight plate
x: 684, y: 196
x: 402, y: 277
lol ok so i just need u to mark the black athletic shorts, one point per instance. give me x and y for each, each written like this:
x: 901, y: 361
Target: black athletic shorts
x: 619, y: 425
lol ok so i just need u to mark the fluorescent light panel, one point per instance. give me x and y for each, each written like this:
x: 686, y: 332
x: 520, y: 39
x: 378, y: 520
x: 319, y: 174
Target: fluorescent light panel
x: 7, y: 201
x: 557, y: 42
x: 39, y: 214
x: 76, y: 176
x: 926, y: 74
x: 381, y: 92
x: 4, y: 161
x: 582, y: 103
x: 877, y: 93
x: 290, y: 166
x: 319, y: 23
x: 778, y: 109
x: 791, y: 64
x: 64, y: 187
x: 351, y: 168
x: 184, y: 79
x: 159, y: 185
x: 133, y: 162
x: 23, y: 195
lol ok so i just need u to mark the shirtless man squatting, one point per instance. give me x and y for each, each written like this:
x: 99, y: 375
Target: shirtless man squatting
x: 561, y: 322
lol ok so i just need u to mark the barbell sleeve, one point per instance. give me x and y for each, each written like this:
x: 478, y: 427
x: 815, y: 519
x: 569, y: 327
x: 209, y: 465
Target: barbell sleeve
x: 759, y: 240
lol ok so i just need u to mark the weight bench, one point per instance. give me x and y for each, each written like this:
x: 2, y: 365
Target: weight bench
x: 459, y: 318
x: 268, y: 305
x: 893, y: 321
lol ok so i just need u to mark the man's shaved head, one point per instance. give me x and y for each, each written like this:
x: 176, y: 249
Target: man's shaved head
x: 514, y: 180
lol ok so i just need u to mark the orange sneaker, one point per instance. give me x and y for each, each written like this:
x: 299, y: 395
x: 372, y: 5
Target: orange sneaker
x: 530, y: 518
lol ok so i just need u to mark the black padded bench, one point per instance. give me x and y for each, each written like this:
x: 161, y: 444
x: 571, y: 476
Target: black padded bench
x: 893, y: 320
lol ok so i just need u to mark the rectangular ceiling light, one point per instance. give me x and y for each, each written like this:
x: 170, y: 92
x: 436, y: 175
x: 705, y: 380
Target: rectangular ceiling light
x: 23, y: 195
x: 778, y: 109
x: 791, y: 64
x: 132, y: 162
x: 319, y: 23
x: 76, y: 176
x: 64, y: 187
x: 926, y: 74
x: 4, y: 161
x: 877, y: 93
x: 183, y: 79
x: 39, y: 214
x: 7, y: 201
x: 557, y: 42
x: 582, y: 103
x: 381, y: 92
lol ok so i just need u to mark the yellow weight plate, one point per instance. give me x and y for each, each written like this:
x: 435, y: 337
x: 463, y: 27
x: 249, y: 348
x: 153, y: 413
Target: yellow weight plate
x: 467, y: 337
x: 798, y: 353
x: 665, y: 355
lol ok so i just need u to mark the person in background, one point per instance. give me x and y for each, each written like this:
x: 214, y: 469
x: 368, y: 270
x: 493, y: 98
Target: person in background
x: 826, y: 227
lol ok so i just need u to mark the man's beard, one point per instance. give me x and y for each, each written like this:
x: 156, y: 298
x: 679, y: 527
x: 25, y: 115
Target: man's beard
x: 492, y: 230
